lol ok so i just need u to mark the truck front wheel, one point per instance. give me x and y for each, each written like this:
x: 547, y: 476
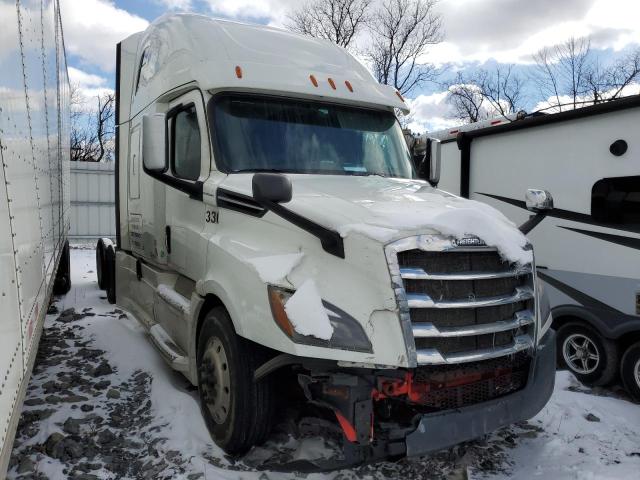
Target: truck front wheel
x: 236, y: 409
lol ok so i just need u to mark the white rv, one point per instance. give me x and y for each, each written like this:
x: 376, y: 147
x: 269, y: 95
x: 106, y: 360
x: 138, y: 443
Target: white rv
x: 587, y: 240
x: 271, y: 229
x: 34, y: 202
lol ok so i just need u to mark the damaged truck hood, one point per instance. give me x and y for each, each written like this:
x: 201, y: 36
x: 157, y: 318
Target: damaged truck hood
x: 384, y: 209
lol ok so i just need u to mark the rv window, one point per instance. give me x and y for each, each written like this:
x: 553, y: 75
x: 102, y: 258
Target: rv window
x: 185, y: 143
x: 616, y: 200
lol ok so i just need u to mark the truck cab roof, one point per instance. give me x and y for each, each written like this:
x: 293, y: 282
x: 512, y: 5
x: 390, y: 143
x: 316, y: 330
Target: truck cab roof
x: 217, y: 55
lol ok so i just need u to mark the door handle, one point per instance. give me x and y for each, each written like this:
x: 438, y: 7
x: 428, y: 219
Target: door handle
x: 167, y: 232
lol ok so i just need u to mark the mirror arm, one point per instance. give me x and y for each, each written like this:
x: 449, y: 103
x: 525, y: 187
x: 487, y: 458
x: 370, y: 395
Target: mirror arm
x: 330, y: 239
x: 533, y: 222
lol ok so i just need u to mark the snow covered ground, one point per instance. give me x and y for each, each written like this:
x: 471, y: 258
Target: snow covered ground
x: 102, y: 404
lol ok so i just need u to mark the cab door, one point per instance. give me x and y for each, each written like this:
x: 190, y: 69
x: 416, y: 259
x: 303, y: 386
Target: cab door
x: 189, y: 160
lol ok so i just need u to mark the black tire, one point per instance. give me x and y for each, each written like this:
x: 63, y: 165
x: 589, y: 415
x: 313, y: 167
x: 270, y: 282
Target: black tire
x: 630, y: 371
x: 62, y: 282
x: 248, y: 419
x: 110, y: 267
x: 101, y: 271
x: 600, y: 371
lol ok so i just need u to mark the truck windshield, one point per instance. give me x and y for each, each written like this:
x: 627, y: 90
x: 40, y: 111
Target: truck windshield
x: 262, y: 134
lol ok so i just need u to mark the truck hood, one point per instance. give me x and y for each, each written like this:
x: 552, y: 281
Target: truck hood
x: 384, y: 209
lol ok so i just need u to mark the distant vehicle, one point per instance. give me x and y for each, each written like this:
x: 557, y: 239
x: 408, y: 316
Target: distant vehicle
x: 34, y: 202
x: 261, y: 186
x: 587, y: 238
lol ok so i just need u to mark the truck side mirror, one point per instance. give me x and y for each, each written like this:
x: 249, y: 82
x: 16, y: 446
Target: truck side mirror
x: 538, y: 200
x: 154, y: 151
x: 271, y: 188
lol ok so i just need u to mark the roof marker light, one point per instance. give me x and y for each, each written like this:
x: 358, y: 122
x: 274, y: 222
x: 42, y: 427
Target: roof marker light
x: 238, y: 71
x: 313, y: 80
x: 400, y: 96
x: 332, y: 83
x: 348, y: 84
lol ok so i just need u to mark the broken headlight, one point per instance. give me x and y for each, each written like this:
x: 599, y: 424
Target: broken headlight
x: 348, y: 334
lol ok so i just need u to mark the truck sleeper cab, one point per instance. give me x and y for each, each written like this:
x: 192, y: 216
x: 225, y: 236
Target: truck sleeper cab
x: 271, y: 228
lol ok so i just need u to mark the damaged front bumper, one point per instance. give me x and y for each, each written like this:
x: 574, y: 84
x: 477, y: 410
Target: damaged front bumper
x: 440, y: 430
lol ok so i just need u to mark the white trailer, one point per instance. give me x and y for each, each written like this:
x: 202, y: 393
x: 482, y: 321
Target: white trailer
x: 34, y: 202
x: 587, y: 241
x: 271, y: 229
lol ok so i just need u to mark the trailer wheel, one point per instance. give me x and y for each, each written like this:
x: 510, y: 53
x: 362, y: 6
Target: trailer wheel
x: 592, y: 358
x: 101, y: 270
x: 236, y: 409
x: 110, y: 270
x: 62, y: 282
x: 630, y: 370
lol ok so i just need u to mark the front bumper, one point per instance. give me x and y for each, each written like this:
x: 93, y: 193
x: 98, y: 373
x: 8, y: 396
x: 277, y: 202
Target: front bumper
x: 440, y: 430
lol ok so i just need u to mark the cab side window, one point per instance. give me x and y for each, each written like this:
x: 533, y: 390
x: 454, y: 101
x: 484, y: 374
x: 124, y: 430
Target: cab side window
x: 617, y: 200
x: 185, y: 143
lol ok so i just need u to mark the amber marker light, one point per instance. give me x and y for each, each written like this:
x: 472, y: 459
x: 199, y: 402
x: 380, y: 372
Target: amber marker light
x: 313, y: 80
x: 238, y: 71
x: 332, y: 83
x: 348, y: 84
x: 277, y: 302
x: 400, y: 96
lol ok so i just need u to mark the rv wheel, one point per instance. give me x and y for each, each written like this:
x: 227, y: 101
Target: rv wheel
x: 237, y: 410
x: 592, y: 358
x: 630, y: 370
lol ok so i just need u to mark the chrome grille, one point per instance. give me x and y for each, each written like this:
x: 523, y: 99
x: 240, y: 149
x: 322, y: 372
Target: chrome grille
x: 461, y: 304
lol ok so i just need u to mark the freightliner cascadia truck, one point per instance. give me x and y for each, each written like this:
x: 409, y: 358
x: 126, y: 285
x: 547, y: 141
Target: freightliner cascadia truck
x: 34, y: 193
x: 271, y: 229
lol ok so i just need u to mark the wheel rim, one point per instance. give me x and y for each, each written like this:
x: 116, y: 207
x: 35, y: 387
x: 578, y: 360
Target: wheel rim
x: 580, y: 353
x: 636, y: 372
x: 215, y: 380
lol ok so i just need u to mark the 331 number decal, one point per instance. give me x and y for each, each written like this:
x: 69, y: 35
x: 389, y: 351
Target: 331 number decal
x: 210, y: 216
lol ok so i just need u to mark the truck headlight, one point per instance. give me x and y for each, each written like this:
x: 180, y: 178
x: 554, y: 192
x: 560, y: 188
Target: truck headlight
x: 348, y: 334
x: 545, y: 318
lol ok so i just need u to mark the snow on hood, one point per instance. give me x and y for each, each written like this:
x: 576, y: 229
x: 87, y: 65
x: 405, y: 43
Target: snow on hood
x: 384, y: 209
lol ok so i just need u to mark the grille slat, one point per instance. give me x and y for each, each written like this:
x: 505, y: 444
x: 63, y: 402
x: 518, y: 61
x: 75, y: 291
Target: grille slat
x: 429, y: 330
x: 422, y: 300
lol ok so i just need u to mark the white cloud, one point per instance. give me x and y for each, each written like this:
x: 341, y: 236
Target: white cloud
x: 510, y: 31
x: 84, y: 79
x: 92, y: 28
x: 273, y: 10
x: 430, y: 113
x: 184, y: 5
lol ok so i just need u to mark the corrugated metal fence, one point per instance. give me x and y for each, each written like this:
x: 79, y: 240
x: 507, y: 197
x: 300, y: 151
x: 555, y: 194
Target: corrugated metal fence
x: 93, y: 213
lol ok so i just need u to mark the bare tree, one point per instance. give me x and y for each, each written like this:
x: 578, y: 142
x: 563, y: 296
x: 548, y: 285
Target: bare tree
x: 466, y: 99
x: 337, y: 20
x: 402, y: 31
x: 610, y: 83
x: 570, y: 75
x: 92, y: 130
x: 486, y: 94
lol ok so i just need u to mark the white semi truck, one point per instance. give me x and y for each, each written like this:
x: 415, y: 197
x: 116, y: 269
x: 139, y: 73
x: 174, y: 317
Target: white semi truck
x: 34, y: 201
x: 587, y: 239
x: 272, y: 230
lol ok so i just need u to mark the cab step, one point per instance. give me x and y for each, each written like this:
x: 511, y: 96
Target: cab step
x: 173, y: 354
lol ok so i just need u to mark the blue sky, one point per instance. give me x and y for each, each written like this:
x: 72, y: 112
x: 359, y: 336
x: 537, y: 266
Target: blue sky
x: 478, y: 34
